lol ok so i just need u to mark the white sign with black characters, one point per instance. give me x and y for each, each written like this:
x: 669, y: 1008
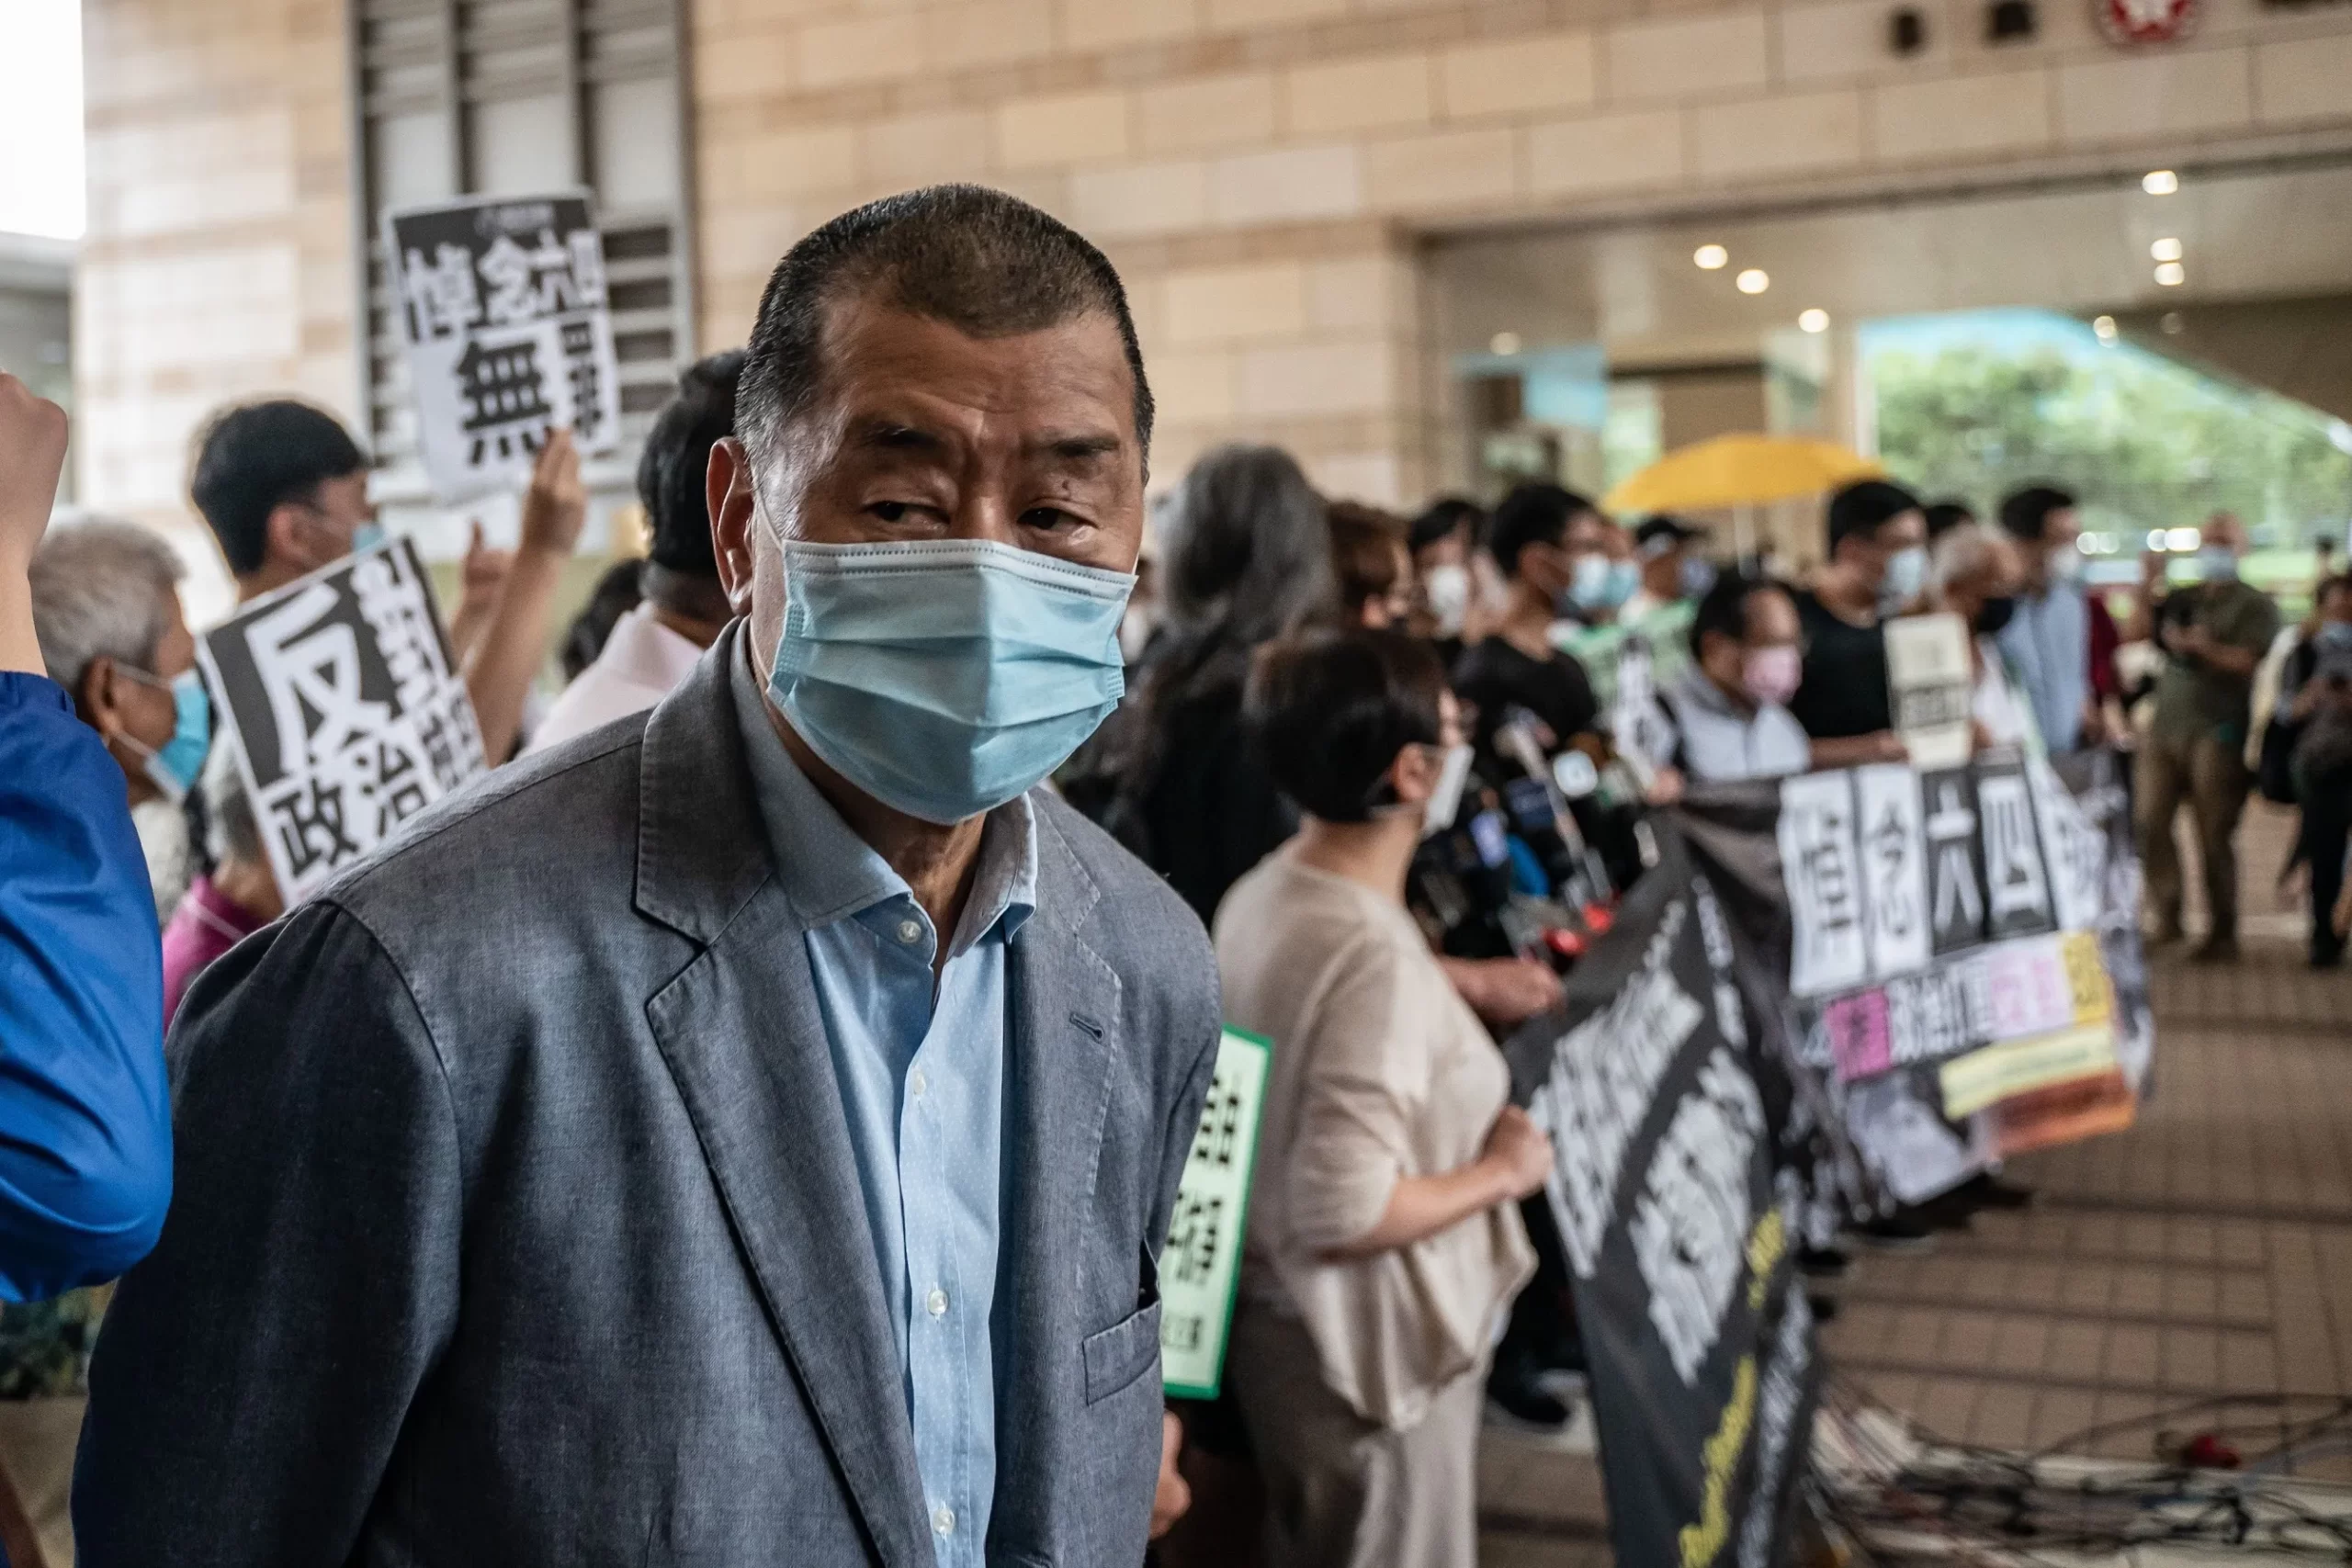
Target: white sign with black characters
x: 2016, y: 890
x: 1822, y: 864
x: 1894, y: 869
x: 349, y: 713
x: 1929, y: 682
x: 1955, y: 860
x: 504, y: 313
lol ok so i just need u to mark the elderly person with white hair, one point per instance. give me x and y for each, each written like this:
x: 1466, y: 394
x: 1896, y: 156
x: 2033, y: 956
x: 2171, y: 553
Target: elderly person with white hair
x: 106, y: 609
x: 1974, y: 573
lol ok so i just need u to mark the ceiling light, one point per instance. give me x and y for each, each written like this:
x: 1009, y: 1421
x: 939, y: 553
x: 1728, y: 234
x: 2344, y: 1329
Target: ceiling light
x: 1504, y: 342
x: 2155, y: 538
x: 2103, y: 328
x: 2165, y: 249
x: 2160, y: 182
x: 2172, y: 275
x: 1814, y: 320
x: 1755, y: 280
x: 2172, y: 323
x: 1710, y: 258
x: 2180, y: 541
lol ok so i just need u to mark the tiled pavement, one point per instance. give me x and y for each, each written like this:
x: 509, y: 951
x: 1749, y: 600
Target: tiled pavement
x: 2205, y: 1253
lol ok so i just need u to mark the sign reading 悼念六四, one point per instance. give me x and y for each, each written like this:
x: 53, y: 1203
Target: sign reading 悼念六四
x: 2031, y: 977
x: 502, y: 308
x: 1677, y: 1210
x: 1200, y: 1268
x: 349, y: 714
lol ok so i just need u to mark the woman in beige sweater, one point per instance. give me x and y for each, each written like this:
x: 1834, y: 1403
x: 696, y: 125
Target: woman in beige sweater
x: 1383, y: 1238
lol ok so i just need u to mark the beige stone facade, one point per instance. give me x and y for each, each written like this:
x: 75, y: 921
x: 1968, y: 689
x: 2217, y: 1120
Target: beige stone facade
x: 1263, y: 171
x: 218, y: 262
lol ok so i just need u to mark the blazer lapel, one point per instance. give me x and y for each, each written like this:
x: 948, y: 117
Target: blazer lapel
x: 1066, y: 1015
x: 744, y: 1038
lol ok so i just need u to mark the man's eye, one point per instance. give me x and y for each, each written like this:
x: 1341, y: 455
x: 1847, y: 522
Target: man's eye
x: 1047, y: 518
x: 889, y: 510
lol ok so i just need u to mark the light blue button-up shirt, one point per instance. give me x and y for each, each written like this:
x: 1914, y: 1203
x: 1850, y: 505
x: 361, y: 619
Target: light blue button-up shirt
x: 922, y: 1073
x: 2047, y: 645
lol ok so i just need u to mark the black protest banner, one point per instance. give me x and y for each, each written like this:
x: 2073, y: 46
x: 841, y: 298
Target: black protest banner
x: 348, y: 711
x: 503, y: 310
x: 1676, y: 1206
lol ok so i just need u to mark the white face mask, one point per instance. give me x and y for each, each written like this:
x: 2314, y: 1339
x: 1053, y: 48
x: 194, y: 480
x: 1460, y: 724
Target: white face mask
x: 1448, y: 588
x: 2066, y: 564
x: 1445, y: 801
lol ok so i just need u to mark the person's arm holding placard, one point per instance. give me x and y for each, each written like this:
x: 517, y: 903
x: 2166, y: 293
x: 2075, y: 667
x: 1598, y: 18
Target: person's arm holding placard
x: 501, y: 667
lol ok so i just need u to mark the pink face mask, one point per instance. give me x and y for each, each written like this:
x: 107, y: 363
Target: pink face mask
x: 1771, y: 675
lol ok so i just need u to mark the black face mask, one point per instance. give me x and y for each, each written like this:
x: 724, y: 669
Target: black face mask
x: 1995, y: 613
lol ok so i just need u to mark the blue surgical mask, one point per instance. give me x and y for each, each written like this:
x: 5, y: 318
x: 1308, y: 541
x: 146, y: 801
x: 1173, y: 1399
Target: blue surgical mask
x: 1906, y: 573
x: 174, y: 767
x: 366, y: 537
x: 2334, y: 634
x: 945, y: 676
x: 2217, y: 563
x: 1601, y: 583
x: 1696, y: 576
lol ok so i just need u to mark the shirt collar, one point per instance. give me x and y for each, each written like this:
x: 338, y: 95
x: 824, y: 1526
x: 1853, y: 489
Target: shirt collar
x: 832, y: 874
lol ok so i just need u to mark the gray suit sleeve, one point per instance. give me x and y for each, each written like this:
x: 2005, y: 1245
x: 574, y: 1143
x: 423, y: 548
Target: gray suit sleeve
x: 255, y: 1372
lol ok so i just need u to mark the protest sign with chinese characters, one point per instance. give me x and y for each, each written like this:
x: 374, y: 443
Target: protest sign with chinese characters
x: 503, y: 310
x: 1962, y: 939
x: 1200, y: 1265
x: 1668, y: 1110
x: 1929, y: 682
x: 349, y: 714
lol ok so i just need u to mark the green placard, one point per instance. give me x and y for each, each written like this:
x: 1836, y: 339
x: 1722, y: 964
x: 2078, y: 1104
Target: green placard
x: 1200, y: 1267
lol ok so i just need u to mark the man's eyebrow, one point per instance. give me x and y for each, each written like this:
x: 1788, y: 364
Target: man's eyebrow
x: 890, y: 435
x: 1079, y: 447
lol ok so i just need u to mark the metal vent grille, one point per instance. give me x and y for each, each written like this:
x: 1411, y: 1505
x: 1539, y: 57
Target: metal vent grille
x: 494, y: 97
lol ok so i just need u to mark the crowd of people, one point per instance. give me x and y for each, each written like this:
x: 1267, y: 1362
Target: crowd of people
x: 758, y: 1105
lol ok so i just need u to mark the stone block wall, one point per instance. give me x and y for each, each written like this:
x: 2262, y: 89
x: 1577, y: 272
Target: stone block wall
x: 1263, y: 171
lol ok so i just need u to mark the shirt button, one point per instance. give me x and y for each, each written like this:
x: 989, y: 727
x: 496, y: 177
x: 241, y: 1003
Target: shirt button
x: 917, y: 1083
x: 943, y: 1519
x: 936, y: 1302
x: 909, y: 931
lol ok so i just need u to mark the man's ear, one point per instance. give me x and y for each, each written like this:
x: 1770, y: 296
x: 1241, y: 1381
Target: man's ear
x: 728, y: 492
x: 283, y: 535
x: 99, y: 697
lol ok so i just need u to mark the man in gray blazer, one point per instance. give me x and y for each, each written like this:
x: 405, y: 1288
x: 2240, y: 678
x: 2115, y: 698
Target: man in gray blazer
x: 741, y: 1135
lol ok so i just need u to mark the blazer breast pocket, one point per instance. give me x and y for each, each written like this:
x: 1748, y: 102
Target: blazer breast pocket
x: 1122, y: 1353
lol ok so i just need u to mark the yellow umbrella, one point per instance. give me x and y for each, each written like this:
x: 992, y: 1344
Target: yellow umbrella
x: 1739, y: 470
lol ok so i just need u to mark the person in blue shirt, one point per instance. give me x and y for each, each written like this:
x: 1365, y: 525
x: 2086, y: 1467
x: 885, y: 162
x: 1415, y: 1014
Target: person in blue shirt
x: 85, y: 1141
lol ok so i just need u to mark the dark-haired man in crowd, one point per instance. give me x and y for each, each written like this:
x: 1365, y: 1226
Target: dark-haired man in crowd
x: 284, y: 489
x: 1516, y: 667
x: 1730, y: 706
x: 2054, y: 640
x: 1877, y: 565
x: 653, y: 645
x: 745, y: 1137
x: 1443, y: 541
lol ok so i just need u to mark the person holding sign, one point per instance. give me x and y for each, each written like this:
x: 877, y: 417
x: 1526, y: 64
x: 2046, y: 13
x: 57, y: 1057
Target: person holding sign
x: 1973, y: 573
x: 1384, y: 1237
x: 747, y: 1135
x: 1877, y: 565
x: 284, y: 489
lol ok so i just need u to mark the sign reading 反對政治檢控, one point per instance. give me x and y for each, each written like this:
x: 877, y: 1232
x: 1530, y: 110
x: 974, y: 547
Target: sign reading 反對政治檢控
x: 1200, y: 1269
x: 502, y: 309
x: 348, y: 711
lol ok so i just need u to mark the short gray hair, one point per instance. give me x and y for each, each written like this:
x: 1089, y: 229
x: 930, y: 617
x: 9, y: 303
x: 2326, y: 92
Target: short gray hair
x: 100, y: 590
x: 1961, y: 552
